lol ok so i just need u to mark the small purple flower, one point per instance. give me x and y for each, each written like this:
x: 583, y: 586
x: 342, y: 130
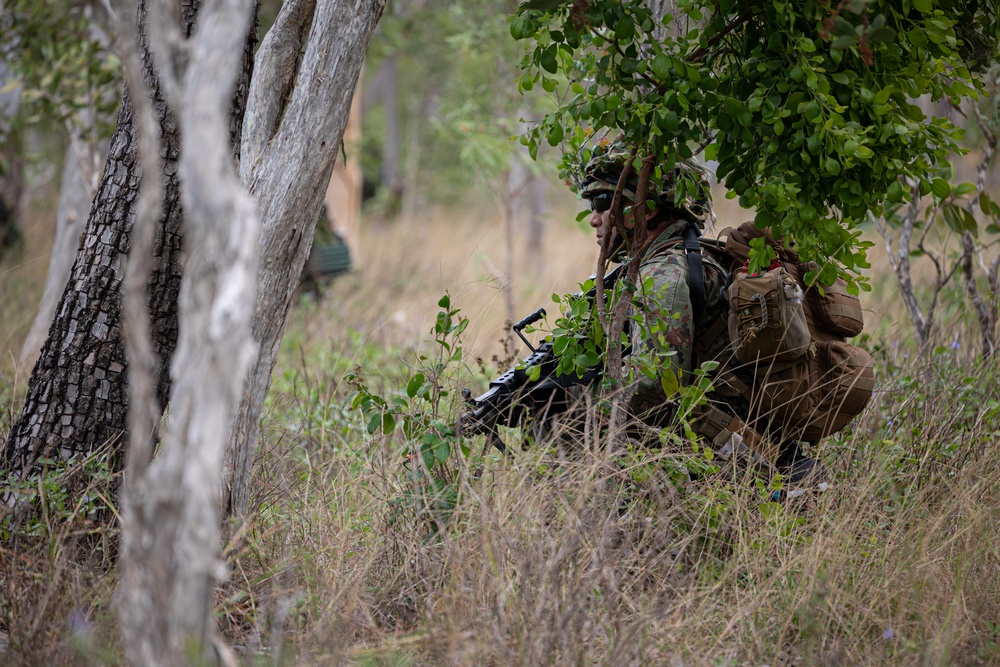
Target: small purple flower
x: 955, y: 345
x: 888, y: 634
x: 78, y: 623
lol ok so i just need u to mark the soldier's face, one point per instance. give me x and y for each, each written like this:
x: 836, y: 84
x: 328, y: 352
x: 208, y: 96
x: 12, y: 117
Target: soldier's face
x: 600, y: 220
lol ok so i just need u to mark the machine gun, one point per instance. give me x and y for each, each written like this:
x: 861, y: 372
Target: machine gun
x: 514, y: 394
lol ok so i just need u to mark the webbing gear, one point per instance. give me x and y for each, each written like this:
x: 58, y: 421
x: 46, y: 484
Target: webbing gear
x: 696, y: 270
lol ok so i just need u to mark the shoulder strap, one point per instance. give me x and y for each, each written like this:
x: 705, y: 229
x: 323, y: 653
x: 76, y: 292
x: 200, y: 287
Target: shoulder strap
x: 696, y: 270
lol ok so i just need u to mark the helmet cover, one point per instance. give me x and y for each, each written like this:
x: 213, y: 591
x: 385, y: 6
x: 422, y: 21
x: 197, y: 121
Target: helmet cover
x: 684, y: 187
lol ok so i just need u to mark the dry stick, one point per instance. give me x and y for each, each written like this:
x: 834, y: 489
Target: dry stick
x: 613, y: 332
x: 984, y: 313
x: 605, y: 255
x: 640, y: 241
x: 901, y: 265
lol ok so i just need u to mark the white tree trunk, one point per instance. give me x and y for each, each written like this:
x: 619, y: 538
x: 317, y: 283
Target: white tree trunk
x: 171, y: 508
x: 286, y: 164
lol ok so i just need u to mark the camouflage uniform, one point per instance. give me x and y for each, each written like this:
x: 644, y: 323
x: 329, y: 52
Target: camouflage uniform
x: 668, y: 332
x: 668, y: 314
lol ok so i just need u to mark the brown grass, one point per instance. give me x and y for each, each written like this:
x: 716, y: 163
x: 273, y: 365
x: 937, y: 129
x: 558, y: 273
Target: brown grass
x: 590, y: 559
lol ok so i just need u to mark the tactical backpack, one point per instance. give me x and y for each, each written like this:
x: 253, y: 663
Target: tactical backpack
x: 788, y: 358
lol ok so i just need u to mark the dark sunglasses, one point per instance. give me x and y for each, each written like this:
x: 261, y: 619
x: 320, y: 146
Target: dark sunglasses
x: 601, y: 202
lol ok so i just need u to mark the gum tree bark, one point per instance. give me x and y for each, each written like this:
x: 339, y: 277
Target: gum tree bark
x: 295, y: 123
x: 171, y: 511
x: 76, y: 401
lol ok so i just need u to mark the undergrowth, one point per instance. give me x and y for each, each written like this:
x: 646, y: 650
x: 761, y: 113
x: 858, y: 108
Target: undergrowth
x: 378, y: 546
x: 380, y: 537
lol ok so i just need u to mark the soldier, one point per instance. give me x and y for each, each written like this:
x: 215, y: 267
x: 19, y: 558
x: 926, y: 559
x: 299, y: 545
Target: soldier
x: 688, y: 316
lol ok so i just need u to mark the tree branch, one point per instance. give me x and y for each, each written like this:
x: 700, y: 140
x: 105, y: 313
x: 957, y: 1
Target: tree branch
x: 744, y: 17
x: 275, y: 69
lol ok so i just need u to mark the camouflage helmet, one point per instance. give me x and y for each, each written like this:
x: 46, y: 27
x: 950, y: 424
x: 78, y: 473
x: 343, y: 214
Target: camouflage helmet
x: 602, y: 171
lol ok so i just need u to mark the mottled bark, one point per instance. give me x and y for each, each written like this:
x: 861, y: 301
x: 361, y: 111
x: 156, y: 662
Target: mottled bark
x: 171, y: 511
x: 76, y: 400
x: 287, y: 162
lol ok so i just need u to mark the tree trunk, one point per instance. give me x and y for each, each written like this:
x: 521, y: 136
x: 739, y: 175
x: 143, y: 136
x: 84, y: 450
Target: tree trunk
x: 392, y: 182
x: 11, y: 182
x: 76, y: 400
x: 80, y: 177
x: 537, y: 206
x: 75, y: 196
x: 171, y: 511
x: 287, y: 161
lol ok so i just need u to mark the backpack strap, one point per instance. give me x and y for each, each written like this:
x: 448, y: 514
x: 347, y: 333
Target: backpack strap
x: 696, y: 270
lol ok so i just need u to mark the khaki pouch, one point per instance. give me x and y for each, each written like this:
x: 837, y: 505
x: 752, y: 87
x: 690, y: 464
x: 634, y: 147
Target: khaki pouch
x: 767, y: 321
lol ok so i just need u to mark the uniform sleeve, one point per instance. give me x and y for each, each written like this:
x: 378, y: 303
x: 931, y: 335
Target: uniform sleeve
x: 662, y: 334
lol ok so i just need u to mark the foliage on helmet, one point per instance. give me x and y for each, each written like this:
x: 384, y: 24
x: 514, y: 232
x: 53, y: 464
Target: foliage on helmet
x: 683, y: 186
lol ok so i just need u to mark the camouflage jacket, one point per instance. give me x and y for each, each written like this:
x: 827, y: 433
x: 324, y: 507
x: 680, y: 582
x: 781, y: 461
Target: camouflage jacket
x: 663, y: 328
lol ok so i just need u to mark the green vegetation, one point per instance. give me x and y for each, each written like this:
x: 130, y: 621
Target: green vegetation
x: 350, y: 556
x: 380, y: 537
x: 807, y: 107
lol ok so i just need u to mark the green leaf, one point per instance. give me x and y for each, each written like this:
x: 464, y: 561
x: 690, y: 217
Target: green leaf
x: 555, y: 135
x: 669, y: 382
x: 941, y: 188
x: 951, y: 218
x: 427, y: 454
x: 443, y: 451
x: 521, y: 27
x: 923, y: 6
x: 547, y: 60
x: 883, y: 35
x: 660, y: 66
x: 667, y: 120
x: 413, y: 386
x: 917, y: 37
x: 625, y: 28
x: 969, y: 223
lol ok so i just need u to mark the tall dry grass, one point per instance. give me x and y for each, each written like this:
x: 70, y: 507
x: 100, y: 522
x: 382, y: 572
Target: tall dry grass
x: 587, y: 559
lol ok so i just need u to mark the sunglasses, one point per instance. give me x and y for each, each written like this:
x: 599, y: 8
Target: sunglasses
x: 601, y: 202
